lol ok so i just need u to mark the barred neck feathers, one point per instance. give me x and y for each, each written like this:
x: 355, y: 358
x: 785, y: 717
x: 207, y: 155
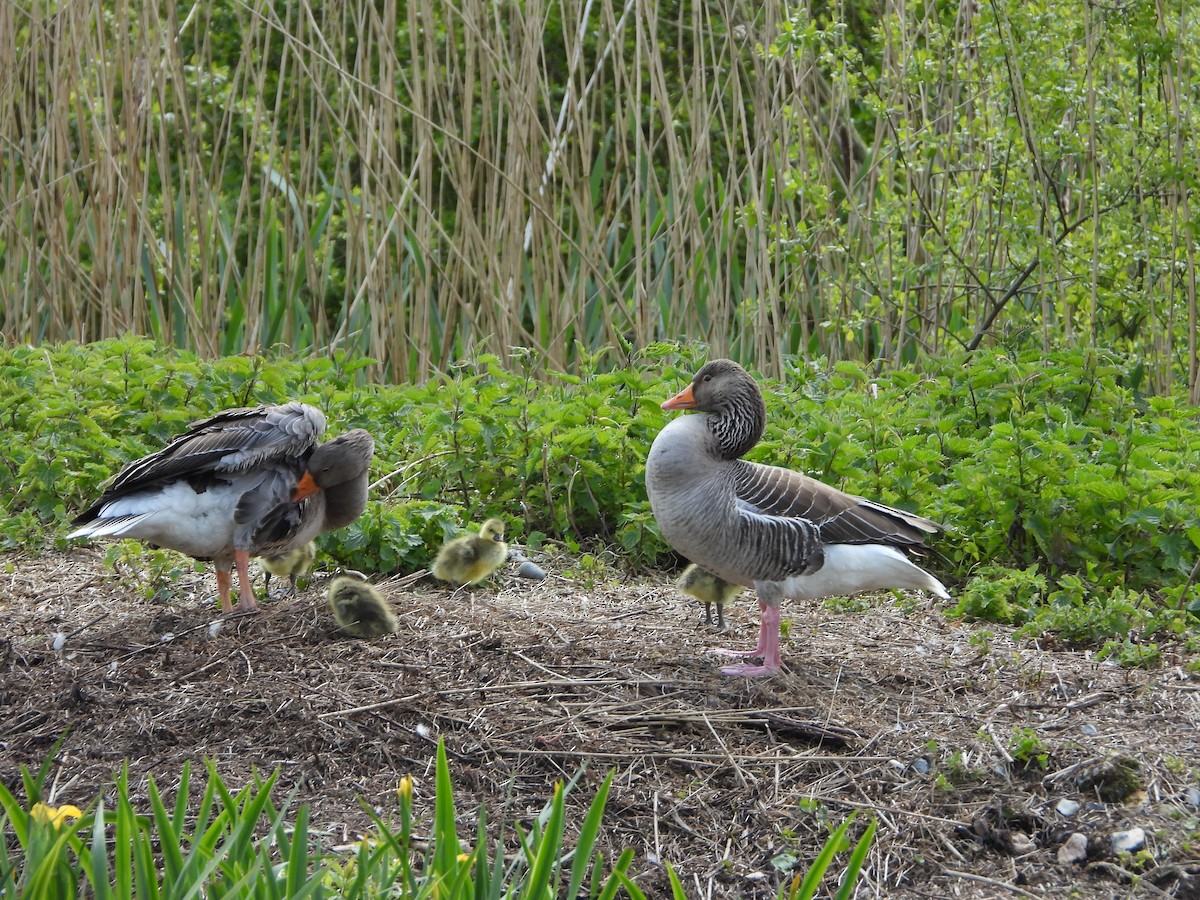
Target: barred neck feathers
x: 737, y: 414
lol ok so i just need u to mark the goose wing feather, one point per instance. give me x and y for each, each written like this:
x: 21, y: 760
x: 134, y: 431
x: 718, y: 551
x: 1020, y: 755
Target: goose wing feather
x: 235, y: 440
x: 839, y: 517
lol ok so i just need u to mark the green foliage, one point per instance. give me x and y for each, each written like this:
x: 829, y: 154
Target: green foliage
x: 1032, y: 159
x: 999, y: 594
x: 1027, y: 748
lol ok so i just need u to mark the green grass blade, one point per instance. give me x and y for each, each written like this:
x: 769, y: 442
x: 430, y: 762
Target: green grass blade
x: 170, y: 832
x: 95, y: 863
x: 807, y: 888
x: 445, y: 834
x: 613, y: 884
x: 634, y: 892
x: 540, y: 873
x: 677, y: 892
x: 857, y: 858
x: 587, y: 838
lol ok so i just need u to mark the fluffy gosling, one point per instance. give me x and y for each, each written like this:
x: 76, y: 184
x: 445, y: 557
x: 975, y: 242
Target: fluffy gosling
x: 290, y: 565
x: 472, y: 557
x: 359, y: 609
x: 710, y: 590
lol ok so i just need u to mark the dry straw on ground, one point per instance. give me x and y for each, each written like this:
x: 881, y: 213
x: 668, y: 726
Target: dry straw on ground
x: 894, y: 712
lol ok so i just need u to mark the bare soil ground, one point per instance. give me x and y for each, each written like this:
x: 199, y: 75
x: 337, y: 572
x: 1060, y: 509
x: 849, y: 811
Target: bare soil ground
x: 729, y: 780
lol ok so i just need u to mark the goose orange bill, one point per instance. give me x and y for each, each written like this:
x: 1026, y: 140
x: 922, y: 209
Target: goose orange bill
x: 304, y: 487
x: 683, y: 400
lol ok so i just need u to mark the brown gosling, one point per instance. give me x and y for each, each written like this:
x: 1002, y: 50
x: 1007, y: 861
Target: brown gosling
x: 359, y: 608
x: 708, y: 589
x: 472, y: 557
x: 290, y: 565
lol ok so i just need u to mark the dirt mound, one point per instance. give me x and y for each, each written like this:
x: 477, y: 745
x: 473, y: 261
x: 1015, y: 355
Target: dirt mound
x: 734, y: 782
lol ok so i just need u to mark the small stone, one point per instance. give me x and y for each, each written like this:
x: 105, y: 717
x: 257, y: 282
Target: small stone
x: 1073, y: 850
x: 921, y: 765
x: 531, y: 570
x: 1088, y: 729
x: 214, y: 628
x: 1022, y: 843
x: 1129, y: 841
x: 1066, y: 807
x: 1192, y: 795
x: 60, y: 641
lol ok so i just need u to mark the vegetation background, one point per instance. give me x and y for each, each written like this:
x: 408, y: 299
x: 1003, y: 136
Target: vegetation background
x: 416, y: 182
x: 958, y: 238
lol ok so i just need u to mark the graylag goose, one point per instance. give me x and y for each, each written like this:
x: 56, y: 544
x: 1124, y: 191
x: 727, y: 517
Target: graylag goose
x: 778, y: 531
x: 472, y: 557
x: 359, y: 609
x: 290, y: 565
x: 245, y: 482
x: 709, y: 590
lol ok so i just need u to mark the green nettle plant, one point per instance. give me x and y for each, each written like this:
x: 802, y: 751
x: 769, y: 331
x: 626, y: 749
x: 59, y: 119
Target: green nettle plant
x: 1066, y: 490
x: 241, y: 845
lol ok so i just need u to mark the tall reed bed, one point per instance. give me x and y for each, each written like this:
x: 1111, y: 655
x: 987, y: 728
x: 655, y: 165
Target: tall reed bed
x: 420, y: 181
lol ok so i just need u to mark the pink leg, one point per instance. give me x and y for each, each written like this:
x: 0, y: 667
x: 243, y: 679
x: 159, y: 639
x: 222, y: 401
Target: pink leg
x: 241, y: 559
x: 762, y: 638
x: 768, y: 647
x: 224, y: 580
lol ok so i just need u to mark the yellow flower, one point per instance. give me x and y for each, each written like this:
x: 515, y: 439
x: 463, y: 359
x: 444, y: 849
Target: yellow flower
x: 463, y: 857
x: 404, y: 789
x: 54, y: 815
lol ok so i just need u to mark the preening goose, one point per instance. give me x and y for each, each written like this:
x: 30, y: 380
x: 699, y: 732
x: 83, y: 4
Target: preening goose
x: 778, y: 531
x: 290, y: 565
x: 709, y: 590
x: 245, y: 482
x: 359, y: 609
x: 472, y: 557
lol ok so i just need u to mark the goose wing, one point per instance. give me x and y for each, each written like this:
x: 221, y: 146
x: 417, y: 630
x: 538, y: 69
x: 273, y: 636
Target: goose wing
x: 236, y: 440
x: 770, y: 493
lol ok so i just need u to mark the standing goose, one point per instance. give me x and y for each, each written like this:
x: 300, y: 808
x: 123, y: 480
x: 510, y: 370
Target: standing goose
x: 244, y: 482
x: 778, y: 531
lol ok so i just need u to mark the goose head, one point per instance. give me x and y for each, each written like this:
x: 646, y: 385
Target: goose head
x: 344, y: 459
x: 736, y: 412
x: 493, y: 530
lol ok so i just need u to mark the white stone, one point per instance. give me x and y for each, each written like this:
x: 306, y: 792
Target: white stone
x: 1129, y: 841
x: 1066, y: 807
x: 1073, y: 850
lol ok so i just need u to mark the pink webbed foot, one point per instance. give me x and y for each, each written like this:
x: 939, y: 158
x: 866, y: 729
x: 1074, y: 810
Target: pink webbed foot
x: 767, y: 647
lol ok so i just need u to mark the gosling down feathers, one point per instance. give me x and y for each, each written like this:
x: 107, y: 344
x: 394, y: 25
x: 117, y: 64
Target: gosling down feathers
x: 778, y: 531
x: 709, y: 590
x: 245, y: 482
x: 290, y: 565
x: 359, y: 609
x: 472, y: 557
